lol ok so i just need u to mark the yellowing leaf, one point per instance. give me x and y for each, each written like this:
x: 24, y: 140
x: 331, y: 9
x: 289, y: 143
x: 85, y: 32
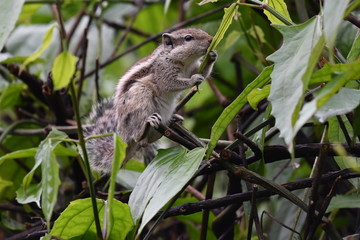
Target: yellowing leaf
x: 63, y: 69
x: 280, y: 6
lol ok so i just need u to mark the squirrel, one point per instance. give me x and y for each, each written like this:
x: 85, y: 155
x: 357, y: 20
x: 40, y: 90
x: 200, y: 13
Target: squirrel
x: 146, y: 95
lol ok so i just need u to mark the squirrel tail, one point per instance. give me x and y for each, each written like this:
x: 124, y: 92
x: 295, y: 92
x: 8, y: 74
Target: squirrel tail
x: 101, y: 149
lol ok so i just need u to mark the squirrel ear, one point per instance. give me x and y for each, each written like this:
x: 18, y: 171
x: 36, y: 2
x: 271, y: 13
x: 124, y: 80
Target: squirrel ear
x: 167, y: 40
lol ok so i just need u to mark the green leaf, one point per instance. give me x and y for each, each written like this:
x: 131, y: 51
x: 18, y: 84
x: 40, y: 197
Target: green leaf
x: 344, y: 201
x: 230, y: 111
x: 332, y: 87
x: 4, y: 185
x: 63, y: 69
x: 231, y: 39
x: 62, y: 151
x: 336, y: 135
x: 27, y: 12
x: 11, y: 95
x: 343, y: 102
x: 224, y: 25
x: 9, y: 12
x: 127, y: 178
x: 31, y: 194
x: 166, y: 6
x: 77, y: 220
x: 353, y: 5
x: 326, y: 73
x: 333, y: 15
x: 207, y: 1
x: 43, y: 153
x: 293, y: 65
x: 258, y: 94
x: 44, y: 45
x: 24, y: 153
x: 50, y: 180
x: 280, y: 6
x: 19, y: 59
x: 119, y: 155
x: 165, y: 176
x: 354, y: 53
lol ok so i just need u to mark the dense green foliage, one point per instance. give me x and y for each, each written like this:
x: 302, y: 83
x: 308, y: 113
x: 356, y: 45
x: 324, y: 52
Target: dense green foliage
x: 280, y: 113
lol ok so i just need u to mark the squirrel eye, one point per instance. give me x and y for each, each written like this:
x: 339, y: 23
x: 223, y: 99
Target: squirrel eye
x: 188, y: 38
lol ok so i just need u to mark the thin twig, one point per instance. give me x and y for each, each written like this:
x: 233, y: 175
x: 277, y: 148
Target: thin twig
x: 205, y: 216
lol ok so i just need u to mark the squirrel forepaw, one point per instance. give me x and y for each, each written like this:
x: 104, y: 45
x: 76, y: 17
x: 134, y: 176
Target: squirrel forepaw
x: 154, y: 120
x: 212, y: 56
x: 197, y: 78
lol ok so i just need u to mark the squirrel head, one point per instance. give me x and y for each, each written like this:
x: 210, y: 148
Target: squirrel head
x: 186, y: 44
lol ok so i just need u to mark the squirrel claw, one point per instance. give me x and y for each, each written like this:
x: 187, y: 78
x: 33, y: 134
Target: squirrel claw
x: 176, y: 118
x: 154, y: 120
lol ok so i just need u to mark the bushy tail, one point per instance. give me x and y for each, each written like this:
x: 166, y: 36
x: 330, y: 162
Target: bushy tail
x: 101, y: 150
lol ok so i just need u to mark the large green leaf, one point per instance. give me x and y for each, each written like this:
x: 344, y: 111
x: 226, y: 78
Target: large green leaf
x: 166, y: 175
x: 230, y: 111
x: 280, y: 6
x: 77, y: 221
x: 63, y: 69
x: 293, y: 65
x: 9, y: 12
x: 333, y: 15
x: 44, y: 45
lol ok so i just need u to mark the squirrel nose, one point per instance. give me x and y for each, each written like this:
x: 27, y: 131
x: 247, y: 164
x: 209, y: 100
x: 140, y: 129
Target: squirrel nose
x: 210, y: 40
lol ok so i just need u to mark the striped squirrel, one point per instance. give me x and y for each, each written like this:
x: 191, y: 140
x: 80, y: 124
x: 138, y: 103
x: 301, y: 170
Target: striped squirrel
x: 146, y: 95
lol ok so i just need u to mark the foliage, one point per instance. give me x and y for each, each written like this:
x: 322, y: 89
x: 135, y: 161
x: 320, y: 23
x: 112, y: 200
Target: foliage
x: 282, y: 111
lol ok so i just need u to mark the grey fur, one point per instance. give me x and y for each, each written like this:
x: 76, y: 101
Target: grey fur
x: 146, y: 95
